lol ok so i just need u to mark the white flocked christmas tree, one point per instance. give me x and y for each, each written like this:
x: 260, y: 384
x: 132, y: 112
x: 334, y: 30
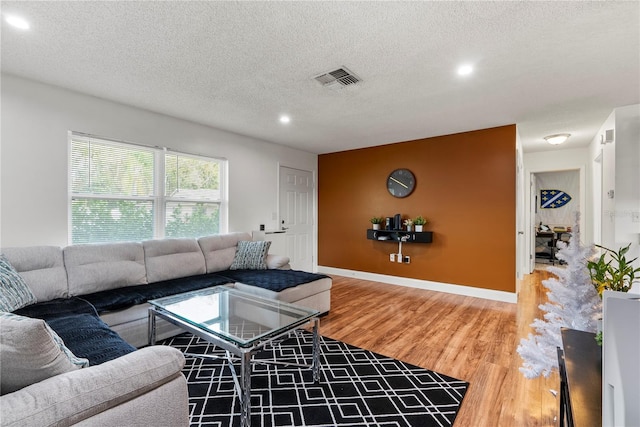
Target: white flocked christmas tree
x: 573, y: 302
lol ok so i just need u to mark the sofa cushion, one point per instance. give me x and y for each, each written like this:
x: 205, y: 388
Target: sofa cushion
x: 96, y: 267
x: 14, y: 292
x: 31, y: 352
x: 251, y: 256
x: 42, y: 268
x: 220, y: 250
x: 314, y: 294
x: 173, y: 258
x: 274, y: 280
x: 78, y: 324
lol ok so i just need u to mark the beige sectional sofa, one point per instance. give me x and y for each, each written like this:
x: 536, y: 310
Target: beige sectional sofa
x: 96, y: 273
x: 80, y: 270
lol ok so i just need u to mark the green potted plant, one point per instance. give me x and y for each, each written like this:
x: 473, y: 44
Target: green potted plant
x: 376, y: 221
x: 419, y: 222
x: 616, y: 274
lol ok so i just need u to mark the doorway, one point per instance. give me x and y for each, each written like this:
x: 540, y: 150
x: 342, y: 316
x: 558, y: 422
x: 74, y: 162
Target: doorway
x: 296, y: 194
x: 555, y: 197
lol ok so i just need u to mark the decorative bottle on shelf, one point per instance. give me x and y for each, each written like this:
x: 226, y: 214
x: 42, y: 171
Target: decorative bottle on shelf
x: 397, y: 222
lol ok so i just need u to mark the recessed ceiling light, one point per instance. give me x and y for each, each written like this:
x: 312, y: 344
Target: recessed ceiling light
x: 16, y: 21
x: 285, y: 119
x: 557, y: 138
x: 465, y: 70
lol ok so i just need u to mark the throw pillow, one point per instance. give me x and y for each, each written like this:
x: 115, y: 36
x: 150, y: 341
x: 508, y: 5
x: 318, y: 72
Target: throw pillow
x: 30, y: 351
x: 251, y: 255
x: 14, y: 292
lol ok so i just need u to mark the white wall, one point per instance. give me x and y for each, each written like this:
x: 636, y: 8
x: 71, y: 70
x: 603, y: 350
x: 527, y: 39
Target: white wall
x: 620, y: 162
x: 627, y: 180
x: 36, y: 119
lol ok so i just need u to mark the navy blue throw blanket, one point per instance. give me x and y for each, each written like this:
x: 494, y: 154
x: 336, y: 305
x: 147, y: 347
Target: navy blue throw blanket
x: 83, y: 332
x: 121, y: 298
x: 76, y: 320
x: 273, y: 280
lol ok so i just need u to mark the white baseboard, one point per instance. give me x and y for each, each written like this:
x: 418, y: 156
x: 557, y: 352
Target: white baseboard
x: 470, y: 291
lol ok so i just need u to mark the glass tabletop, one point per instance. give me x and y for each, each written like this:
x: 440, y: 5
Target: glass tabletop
x: 233, y: 315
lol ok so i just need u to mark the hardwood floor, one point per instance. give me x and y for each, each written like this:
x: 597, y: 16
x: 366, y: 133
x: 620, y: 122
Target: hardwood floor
x: 468, y: 338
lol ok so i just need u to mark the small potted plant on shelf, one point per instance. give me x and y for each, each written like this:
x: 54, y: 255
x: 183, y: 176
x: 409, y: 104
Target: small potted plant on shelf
x: 409, y: 224
x: 419, y: 222
x: 376, y: 221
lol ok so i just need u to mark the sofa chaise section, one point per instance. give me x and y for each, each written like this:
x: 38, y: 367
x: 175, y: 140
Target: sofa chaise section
x: 292, y: 286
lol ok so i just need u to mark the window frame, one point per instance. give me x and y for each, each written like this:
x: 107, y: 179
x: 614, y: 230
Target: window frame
x: 158, y: 199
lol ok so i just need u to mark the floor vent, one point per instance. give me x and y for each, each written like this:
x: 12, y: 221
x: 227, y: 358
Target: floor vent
x: 337, y: 79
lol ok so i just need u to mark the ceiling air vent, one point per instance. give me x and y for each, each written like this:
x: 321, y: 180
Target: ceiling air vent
x: 337, y: 79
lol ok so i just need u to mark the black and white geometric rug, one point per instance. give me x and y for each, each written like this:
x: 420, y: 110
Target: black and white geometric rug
x: 357, y: 388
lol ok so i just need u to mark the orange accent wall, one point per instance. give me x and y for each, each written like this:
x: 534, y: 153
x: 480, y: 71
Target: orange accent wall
x: 465, y: 187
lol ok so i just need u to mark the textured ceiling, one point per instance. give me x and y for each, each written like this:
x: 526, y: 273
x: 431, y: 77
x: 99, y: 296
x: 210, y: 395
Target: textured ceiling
x: 549, y: 67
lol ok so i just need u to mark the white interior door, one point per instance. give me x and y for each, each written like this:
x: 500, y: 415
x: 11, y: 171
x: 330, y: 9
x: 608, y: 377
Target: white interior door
x: 522, y: 264
x: 296, y: 216
x: 597, y: 199
x: 532, y: 226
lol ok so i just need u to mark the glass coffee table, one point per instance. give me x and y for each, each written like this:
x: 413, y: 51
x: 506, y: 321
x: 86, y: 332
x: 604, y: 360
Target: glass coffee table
x: 239, y: 323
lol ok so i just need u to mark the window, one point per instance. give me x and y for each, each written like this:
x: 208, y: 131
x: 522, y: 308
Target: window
x: 124, y: 192
x: 192, y: 196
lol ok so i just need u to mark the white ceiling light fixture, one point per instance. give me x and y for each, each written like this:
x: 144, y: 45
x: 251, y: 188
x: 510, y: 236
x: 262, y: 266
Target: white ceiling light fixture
x: 465, y: 70
x: 285, y: 119
x: 557, y: 139
x: 17, y: 22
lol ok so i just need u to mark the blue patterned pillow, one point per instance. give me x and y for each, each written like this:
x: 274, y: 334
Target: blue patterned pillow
x: 14, y: 292
x: 251, y: 255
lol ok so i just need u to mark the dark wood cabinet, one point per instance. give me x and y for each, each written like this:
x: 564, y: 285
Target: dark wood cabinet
x: 580, y: 363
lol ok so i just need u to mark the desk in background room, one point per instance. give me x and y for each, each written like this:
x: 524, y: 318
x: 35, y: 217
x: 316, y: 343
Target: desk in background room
x: 549, y: 240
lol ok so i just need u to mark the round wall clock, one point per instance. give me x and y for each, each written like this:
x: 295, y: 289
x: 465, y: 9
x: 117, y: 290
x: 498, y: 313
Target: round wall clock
x: 401, y: 183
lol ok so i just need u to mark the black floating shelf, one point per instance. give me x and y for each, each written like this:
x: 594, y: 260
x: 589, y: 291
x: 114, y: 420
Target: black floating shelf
x: 397, y: 235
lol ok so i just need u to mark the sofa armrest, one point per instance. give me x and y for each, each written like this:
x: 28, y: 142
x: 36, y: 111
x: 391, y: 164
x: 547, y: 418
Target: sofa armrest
x: 74, y: 396
x: 278, y: 262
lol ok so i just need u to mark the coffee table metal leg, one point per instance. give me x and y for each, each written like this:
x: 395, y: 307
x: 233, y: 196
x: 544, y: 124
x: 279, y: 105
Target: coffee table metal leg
x: 315, y: 361
x: 245, y: 379
x: 152, y: 328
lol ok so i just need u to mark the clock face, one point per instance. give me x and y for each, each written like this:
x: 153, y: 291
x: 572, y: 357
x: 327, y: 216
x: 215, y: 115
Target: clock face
x: 401, y: 183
